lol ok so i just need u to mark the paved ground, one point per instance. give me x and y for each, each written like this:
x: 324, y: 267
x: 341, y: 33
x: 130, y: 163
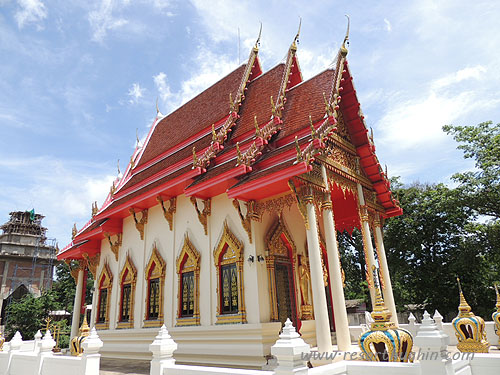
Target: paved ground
x: 123, y: 366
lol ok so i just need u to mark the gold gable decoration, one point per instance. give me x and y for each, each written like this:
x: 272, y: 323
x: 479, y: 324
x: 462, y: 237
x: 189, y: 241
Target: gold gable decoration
x: 155, y: 269
x: 187, y: 261
x: 230, y: 251
x: 128, y: 275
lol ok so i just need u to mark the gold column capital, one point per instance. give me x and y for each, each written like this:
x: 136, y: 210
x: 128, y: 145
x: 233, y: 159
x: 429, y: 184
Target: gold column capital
x: 363, y: 213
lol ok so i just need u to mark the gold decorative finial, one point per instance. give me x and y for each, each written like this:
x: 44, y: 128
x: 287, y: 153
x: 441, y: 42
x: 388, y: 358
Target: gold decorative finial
x: 498, y: 297
x: 296, y: 39
x: 380, y: 314
x: 257, y: 42
x: 313, y: 130
x: 464, y: 308
x: 214, y: 134
x: 258, y: 132
x: 118, y: 166
x: 343, y: 49
x: 195, y: 158
x: 137, y: 136
x: 74, y: 231
x: 239, y: 154
x: 157, y: 109
x: 299, y: 152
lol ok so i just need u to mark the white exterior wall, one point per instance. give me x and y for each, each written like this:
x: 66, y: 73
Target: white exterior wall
x: 133, y: 342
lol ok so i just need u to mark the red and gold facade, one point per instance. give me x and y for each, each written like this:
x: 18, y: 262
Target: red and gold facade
x: 242, y: 206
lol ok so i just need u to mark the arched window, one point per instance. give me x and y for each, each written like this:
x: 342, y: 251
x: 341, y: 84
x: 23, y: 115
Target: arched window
x: 103, y: 300
x: 155, y: 281
x: 188, y: 273
x: 228, y: 257
x: 128, y: 279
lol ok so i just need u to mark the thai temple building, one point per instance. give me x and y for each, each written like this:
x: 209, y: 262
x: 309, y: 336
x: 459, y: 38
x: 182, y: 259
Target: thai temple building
x: 224, y: 223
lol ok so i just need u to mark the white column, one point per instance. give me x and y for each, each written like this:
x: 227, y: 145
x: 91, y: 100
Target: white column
x: 75, y: 324
x: 323, y: 337
x: 334, y: 270
x: 386, y: 277
x: 367, y: 242
x: 93, y: 312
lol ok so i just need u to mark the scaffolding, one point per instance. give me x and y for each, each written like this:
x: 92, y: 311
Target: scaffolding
x: 23, y: 241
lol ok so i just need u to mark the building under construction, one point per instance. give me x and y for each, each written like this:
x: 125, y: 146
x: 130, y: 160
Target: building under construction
x: 26, y: 258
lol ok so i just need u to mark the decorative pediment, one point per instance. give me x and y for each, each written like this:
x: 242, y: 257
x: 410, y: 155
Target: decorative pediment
x: 229, y: 246
x: 156, y: 265
x: 278, y: 238
x: 106, y: 277
x: 189, y: 251
x: 129, y: 272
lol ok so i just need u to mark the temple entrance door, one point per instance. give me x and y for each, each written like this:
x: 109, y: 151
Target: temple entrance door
x: 284, y: 292
x: 280, y: 255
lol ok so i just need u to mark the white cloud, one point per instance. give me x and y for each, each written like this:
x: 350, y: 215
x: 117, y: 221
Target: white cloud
x: 475, y: 72
x: 61, y: 190
x: 208, y: 69
x: 102, y: 20
x: 388, y: 26
x: 30, y: 11
x: 135, y: 92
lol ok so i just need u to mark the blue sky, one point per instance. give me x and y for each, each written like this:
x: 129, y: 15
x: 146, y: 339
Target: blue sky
x: 79, y: 79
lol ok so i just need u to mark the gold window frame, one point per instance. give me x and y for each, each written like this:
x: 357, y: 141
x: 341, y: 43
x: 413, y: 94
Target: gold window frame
x: 128, y: 276
x: 105, y: 282
x: 276, y: 250
x: 229, y: 251
x: 155, y: 269
x: 187, y: 261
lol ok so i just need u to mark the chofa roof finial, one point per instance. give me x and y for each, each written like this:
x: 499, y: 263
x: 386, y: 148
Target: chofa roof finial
x: 343, y: 49
x: 296, y: 39
x: 257, y: 42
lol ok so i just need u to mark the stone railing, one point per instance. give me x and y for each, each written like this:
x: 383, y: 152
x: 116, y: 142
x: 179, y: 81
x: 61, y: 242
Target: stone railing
x: 36, y: 357
x: 292, y: 354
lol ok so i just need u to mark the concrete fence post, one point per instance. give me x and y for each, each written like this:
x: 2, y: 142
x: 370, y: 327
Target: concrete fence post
x: 412, y: 326
x: 289, y: 351
x: 44, y: 350
x: 163, y: 348
x: 432, y: 354
x: 438, y: 318
x: 91, y: 357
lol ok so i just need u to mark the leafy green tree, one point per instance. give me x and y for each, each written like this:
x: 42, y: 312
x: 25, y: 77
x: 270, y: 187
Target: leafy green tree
x: 28, y: 314
x: 480, y: 188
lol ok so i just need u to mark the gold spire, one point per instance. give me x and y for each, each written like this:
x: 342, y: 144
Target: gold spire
x: 380, y: 314
x: 498, y: 298
x: 464, y: 310
x: 343, y: 49
x: 84, y: 329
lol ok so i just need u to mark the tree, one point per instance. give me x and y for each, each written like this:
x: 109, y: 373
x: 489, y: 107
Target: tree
x: 435, y: 240
x: 28, y: 314
x: 480, y: 188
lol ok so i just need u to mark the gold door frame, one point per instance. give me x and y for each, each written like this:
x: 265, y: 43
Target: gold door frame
x: 276, y: 250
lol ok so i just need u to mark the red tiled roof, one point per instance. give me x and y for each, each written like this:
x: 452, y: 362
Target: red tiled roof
x: 201, y: 111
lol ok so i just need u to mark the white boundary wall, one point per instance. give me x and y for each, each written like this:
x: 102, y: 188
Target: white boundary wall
x: 36, y: 357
